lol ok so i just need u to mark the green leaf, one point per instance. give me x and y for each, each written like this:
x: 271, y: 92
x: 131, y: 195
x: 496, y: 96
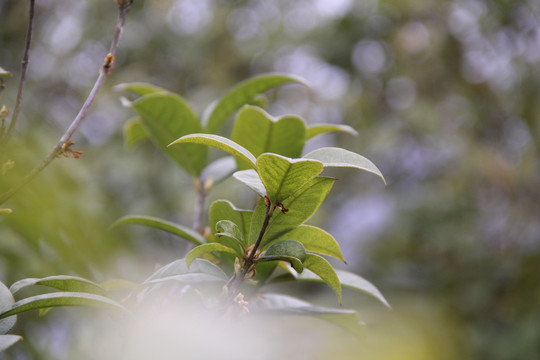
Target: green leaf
x: 61, y: 282
x: 61, y: 299
x: 252, y: 180
x: 134, y: 132
x: 337, y: 157
x: 347, y: 279
x: 287, y: 305
x: 170, y: 227
x: 221, y: 143
x: 6, y: 301
x: 208, y: 248
x: 259, y: 132
x: 283, y: 176
x: 117, y: 284
x: 139, y: 88
x: 7, y: 341
x: 227, y: 233
x: 301, y: 206
x: 319, y: 129
x: 167, y: 117
x: 288, y: 250
x: 325, y: 271
x: 216, y: 114
x: 179, y: 267
x: 218, y: 169
x: 225, y: 210
x: 315, y: 240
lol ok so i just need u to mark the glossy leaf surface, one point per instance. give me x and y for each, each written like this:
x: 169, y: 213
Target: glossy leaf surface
x: 283, y: 176
x: 316, y: 240
x: 7, y: 341
x: 218, y: 142
x: 216, y: 114
x: 61, y: 299
x: 252, y: 180
x: 319, y: 129
x: 209, y: 248
x: 289, y: 250
x: 325, y: 271
x: 337, y: 157
x: 225, y: 210
x: 259, y: 132
x: 170, y: 227
x: 61, y: 282
x: 166, y: 117
x: 6, y: 301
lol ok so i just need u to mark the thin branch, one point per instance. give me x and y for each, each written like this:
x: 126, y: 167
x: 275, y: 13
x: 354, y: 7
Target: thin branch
x: 60, y: 147
x: 237, y: 279
x: 24, y: 67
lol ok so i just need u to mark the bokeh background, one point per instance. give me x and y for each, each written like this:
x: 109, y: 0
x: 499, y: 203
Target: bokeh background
x: 444, y: 95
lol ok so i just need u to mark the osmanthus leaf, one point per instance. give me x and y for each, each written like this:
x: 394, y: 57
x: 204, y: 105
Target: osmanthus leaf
x: 228, y: 234
x: 209, y: 248
x: 288, y: 250
x: 170, y: 227
x: 216, y: 114
x: 218, y: 169
x: 117, y: 284
x: 277, y: 304
x: 337, y: 157
x: 6, y: 301
x: 300, y: 207
x: 318, y: 129
x: 179, y: 267
x: 7, y: 341
x: 225, y: 210
x: 61, y: 282
x: 283, y: 176
x: 322, y: 268
x: 139, y: 88
x: 259, y: 132
x: 347, y: 279
x: 221, y: 143
x: 134, y: 132
x: 166, y: 117
x: 252, y: 180
x: 61, y: 299
x: 315, y: 240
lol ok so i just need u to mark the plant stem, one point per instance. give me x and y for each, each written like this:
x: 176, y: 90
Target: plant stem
x: 199, y: 203
x: 24, y: 67
x: 237, y: 279
x: 123, y: 8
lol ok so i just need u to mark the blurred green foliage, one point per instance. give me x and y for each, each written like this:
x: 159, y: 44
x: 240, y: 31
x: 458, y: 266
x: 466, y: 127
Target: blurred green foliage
x: 443, y: 95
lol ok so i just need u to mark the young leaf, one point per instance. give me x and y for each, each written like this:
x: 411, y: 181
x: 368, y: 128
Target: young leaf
x: 325, y: 271
x: 6, y: 301
x: 218, y: 169
x: 252, y: 180
x: 209, y: 248
x: 337, y: 157
x: 134, y: 132
x: 288, y: 250
x: 221, y: 143
x: 319, y: 129
x: 167, y: 117
x: 301, y: 206
x: 170, y: 227
x: 179, y: 267
x: 216, y: 114
x: 139, y: 88
x: 7, y: 341
x: 227, y: 233
x: 259, y: 132
x: 315, y: 240
x: 283, y: 176
x: 225, y: 210
x: 61, y: 299
x: 61, y: 282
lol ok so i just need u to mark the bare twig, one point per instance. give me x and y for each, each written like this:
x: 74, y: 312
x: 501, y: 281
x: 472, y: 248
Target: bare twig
x: 123, y: 8
x: 24, y: 66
